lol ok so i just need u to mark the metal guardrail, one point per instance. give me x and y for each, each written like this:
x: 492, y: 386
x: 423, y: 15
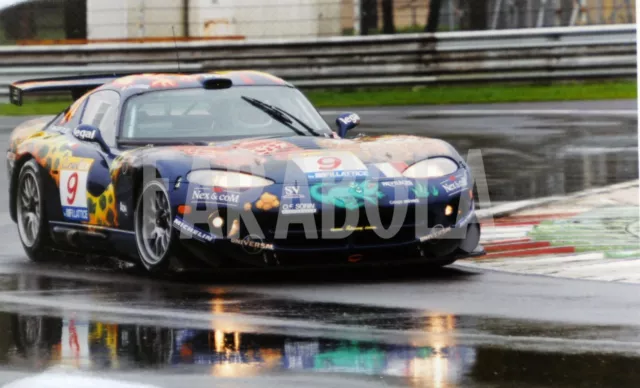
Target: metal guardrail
x: 541, y: 54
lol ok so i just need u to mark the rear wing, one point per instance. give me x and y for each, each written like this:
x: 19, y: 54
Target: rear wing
x: 78, y: 85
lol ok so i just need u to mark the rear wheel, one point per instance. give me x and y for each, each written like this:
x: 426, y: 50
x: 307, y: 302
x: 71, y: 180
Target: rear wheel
x: 153, y: 227
x: 31, y: 217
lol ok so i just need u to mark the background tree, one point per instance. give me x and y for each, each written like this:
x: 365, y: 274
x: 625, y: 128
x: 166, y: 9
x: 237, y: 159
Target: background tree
x: 368, y: 16
x: 388, y: 26
x: 478, y: 14
x: 433, y: 18
x: 75, y: 19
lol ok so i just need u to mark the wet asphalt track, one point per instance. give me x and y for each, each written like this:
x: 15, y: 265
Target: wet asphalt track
x: 386, y: 327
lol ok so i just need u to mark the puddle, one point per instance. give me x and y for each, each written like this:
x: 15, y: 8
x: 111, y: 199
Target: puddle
x: 532, y: 157
x: 33, y: 342
x: 405, y: 347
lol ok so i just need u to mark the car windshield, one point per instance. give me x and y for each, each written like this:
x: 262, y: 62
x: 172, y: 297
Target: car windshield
x: 239, y: 111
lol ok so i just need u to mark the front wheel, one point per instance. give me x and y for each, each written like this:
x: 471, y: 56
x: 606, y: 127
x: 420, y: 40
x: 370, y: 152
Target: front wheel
x: 153, y: 227
x: 31, y: 216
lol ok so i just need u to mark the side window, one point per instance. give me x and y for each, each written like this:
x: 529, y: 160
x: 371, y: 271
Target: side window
x: 102, y: 112
x: 70, y: 118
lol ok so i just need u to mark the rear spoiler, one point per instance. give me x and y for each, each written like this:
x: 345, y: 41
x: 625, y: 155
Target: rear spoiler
x: 77, y: 85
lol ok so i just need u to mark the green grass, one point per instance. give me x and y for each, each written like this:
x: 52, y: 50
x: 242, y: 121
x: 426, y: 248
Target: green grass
x: 424, y: 95
x: 34, y: 108
x: 431, y: 95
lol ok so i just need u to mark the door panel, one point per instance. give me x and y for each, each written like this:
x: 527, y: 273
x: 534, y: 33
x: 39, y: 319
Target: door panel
x: 84, y: 185
x: 102, y: 112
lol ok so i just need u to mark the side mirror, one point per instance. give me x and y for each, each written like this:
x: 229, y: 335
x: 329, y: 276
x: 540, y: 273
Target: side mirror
x: 346, y: 122
x: 86, y: 132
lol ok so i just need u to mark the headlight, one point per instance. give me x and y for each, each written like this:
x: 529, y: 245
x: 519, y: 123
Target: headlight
x: 431, y: 168
x: 226, y: 179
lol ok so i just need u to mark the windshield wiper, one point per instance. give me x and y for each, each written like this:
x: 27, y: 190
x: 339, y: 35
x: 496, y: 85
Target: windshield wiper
x: 280, y: 114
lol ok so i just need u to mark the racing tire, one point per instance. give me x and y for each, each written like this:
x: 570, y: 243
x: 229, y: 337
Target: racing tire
x: 31, y: 217
x: 154, y: 227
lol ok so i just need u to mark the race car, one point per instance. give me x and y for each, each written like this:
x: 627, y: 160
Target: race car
x: 229, y: 169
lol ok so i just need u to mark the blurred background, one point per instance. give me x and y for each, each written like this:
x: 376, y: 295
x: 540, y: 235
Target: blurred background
x: 366, y: 55
x: 35, y: 21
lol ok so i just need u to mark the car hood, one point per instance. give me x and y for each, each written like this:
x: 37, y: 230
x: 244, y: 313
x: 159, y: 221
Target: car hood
x: 297, y: 158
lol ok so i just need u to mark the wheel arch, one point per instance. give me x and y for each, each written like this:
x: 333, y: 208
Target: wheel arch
x: 139, y: 175
x: 13, y: 183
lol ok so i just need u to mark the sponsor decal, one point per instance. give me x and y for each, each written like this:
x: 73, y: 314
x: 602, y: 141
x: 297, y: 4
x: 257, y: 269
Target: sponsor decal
x: 267, y: 202
x: 404, y: 201
x: 332, y: 165
x: 437, y: 232
x: 74, y: 163
x: 84, y: 134
x: 292, y: 191
x: 455, y: 184
x: 75, y: 213
x: 73, y: 188
x: 299, y: 208
x: 338, y: 174
x: 422, y: 190
x: 400, y: 183
x: 215, y: 196
x: 350, y: 119
x: 350, y: 228
x: 351, y: 196
x: 252, y: 244
x: 123, y: 208
x: 197, y: 233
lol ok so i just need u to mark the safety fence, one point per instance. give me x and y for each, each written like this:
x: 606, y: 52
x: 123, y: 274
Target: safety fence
x: 73, y: 21
x: 529, y: 55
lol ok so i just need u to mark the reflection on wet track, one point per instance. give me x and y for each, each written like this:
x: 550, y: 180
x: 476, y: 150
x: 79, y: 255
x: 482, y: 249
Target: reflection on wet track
x: 37, y: 341
x: 40, y: 341
x: 529, y: 156
x: 406, y: 347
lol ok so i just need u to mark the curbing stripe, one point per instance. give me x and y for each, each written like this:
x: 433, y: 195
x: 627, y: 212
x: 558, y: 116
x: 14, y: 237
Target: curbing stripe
x: 533, y: 263
x: 601, y: 245
x: 537, y: 217
x: 516, y: 246
x: 516, y: 223
x: 529, y: 252
x: 508, y: 241
x: 509, y: 208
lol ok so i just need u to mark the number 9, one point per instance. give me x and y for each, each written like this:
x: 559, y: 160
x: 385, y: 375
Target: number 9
x: 72, y: 187
x: 329, y: 163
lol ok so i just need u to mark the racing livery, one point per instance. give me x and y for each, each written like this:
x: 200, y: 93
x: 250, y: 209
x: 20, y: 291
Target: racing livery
x: 177, y: 171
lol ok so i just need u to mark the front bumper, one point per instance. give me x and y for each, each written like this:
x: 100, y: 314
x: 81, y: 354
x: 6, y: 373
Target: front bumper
x: 344, y: 222
x: 438, y: 244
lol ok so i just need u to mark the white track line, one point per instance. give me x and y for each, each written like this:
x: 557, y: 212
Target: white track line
x: 525, y: 263
x: 610, y: 266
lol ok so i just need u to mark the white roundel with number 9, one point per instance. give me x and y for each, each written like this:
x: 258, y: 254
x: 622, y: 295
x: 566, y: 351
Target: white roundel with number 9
x: 73, y: 189
x: 327, y: 161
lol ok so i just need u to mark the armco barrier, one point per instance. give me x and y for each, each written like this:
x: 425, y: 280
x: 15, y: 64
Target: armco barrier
x: 541, y: 54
